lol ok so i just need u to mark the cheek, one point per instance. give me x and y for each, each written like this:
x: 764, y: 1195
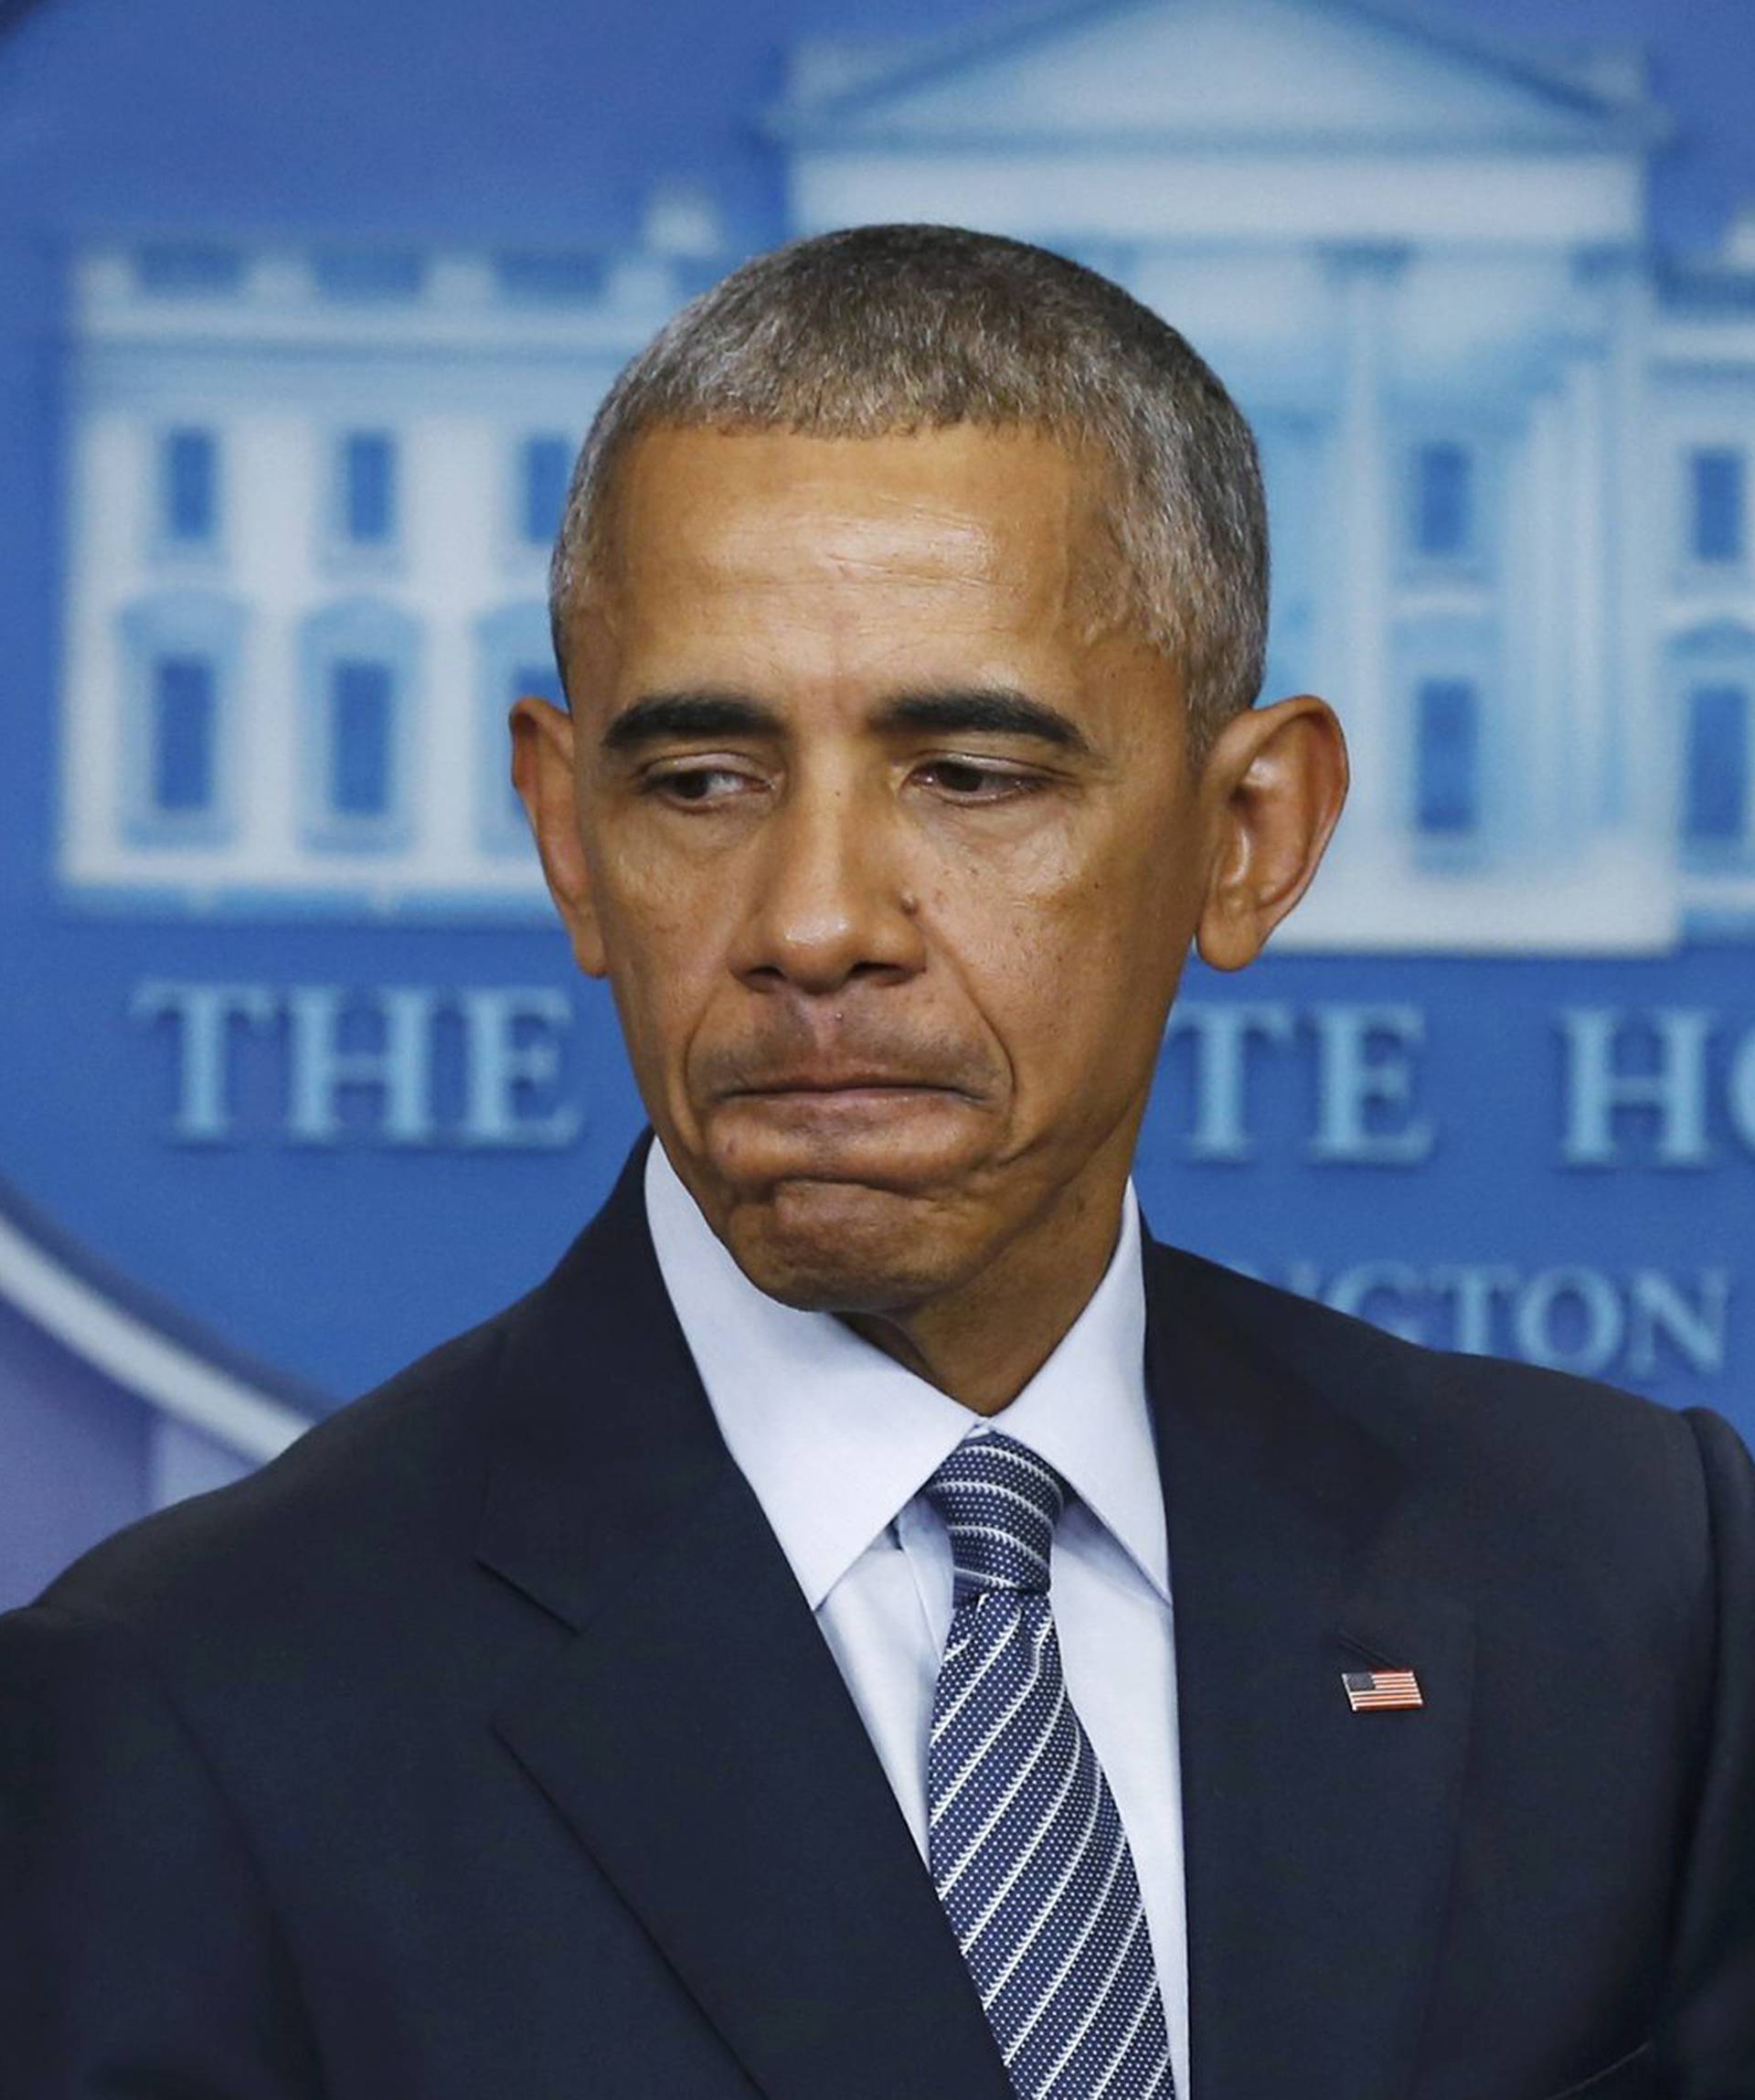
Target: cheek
x: 1073, y: 955
x: 662, y: 950
x: 658, y: 906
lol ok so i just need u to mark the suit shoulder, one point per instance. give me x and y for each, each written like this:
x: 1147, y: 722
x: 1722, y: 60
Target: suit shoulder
x: 1422, y: 1399
x: 382, y: 1468
x: 1516, y: 1481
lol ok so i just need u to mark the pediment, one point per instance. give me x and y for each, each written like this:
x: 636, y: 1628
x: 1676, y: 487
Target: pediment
x: 1298, y: 73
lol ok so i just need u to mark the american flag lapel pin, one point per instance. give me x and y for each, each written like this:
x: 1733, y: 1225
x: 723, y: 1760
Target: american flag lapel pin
x: 1367, y: 1690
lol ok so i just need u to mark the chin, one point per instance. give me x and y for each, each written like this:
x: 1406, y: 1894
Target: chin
x: 842, y: 1247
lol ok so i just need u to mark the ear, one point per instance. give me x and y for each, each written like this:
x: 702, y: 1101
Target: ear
x: 544, y: 772
x: 1273, y: 785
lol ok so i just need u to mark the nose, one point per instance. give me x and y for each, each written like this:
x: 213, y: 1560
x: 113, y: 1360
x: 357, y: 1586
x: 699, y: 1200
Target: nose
x: 830, y: 901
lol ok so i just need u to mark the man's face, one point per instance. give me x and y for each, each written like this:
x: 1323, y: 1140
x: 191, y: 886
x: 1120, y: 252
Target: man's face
x: 892, y: 852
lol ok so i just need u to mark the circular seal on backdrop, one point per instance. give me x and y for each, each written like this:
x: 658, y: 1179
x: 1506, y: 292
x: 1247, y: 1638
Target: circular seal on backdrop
x: 295, y: 1058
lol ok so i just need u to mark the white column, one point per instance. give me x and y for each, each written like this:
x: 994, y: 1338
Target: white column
x: 110, y: 466
x: 1625, y: 755
x: 1364, y: 282
x: 1591, y: 715
x: 1513, y: 795
x: 1638, y: 776
x: 1539, y: 591
x: 458, y: 469
x: 276, y: 482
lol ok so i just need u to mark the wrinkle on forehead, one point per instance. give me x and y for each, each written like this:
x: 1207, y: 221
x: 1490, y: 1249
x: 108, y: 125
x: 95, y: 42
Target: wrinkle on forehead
x: 1011, y: 512
x: 786, y: 563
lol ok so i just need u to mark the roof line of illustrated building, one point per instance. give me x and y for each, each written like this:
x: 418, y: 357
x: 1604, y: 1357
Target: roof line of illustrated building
x: 838, y: 77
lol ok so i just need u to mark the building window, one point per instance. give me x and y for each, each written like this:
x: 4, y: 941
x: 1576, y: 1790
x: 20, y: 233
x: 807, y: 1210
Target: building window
x: 188, y: 269
x: 190, y: 485
x: 1443, y: 501
x: 1717, y: 779
x: 362, y: 723
x: 1715, y: 504
x: 367, y: 274
x: 182, y: 768
x: 546, y: 465
x: 1447, y: 758
x: 360, y: 665
x: 368, y: 488
x: 552, y: 276
x: 183, y: 650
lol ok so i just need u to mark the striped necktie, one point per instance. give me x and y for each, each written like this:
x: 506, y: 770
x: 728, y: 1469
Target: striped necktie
x: 1026, y: 1848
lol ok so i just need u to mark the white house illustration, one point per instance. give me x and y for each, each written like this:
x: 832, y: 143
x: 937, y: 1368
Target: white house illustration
x: 1507, y: 453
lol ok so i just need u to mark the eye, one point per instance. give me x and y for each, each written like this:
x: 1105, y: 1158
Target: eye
x: 977, y: 780
x: 698, y: 783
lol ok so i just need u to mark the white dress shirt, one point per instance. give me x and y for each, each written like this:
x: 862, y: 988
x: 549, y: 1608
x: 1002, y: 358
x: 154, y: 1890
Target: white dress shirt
x: 837, y: 1439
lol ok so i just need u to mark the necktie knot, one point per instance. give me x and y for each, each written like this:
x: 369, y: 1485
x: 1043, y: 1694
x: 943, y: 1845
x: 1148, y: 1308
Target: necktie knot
x: 1000, y: 1503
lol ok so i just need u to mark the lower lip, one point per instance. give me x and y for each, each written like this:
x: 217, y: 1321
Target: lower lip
x: 847, y: 1106
x: 847, y: 1097
x: 870, y: 1134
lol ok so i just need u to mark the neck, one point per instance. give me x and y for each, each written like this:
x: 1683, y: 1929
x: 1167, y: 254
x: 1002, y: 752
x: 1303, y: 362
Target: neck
x: 983, y: 1342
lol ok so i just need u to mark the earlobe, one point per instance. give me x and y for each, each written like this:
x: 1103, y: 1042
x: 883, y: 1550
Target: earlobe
x: 1275, y: 782
x: 543, y: 772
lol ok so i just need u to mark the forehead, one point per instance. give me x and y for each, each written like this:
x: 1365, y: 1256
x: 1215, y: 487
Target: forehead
x: 995, y: 525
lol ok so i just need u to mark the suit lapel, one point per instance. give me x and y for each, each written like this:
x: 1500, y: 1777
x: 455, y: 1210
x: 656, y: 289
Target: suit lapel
x: 1317, y: 1841
x: 695, y: 1732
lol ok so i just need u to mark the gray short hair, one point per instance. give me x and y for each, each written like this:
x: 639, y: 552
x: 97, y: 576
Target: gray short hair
x: 884, y: 329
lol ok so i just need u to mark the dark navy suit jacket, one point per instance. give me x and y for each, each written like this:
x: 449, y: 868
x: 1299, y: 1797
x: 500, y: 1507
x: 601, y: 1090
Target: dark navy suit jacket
x: 484, y: 1747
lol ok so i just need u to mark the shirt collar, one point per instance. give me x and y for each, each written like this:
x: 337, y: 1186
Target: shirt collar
x: 836, y: 1437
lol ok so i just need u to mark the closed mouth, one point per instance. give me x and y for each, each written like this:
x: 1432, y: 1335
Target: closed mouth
x: 853, y: 1082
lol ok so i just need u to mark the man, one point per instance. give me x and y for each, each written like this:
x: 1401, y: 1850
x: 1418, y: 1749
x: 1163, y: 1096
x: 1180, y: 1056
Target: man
x: 748, y: 1665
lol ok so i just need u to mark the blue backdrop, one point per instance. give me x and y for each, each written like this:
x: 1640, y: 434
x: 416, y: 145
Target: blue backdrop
x: 300, y: 319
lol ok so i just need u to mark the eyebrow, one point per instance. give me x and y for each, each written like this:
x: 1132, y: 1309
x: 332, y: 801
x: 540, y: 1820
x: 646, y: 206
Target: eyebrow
x: 951, y: 711
x: 660, y: 716
x: 997, y: 710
